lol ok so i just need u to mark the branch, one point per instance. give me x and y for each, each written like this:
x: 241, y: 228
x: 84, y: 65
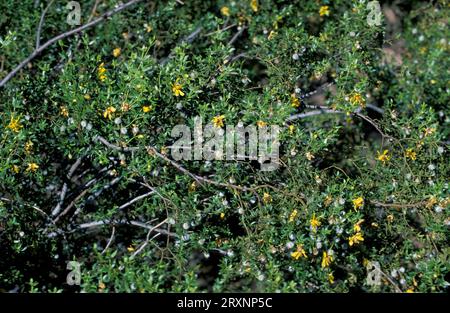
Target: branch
x: 62, y: 196
x: 145, y: 195
x: 147, y: 239
x: 124, y: 222
x: 62, y: 36
x: 110, y: 239
x: 180, y: 168
x: 41, y: 22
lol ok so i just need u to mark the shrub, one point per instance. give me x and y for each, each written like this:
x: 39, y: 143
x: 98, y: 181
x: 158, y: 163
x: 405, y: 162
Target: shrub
x: 360, y: 194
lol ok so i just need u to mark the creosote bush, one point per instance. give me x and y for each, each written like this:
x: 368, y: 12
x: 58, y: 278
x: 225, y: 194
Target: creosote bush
x: 359, y: 201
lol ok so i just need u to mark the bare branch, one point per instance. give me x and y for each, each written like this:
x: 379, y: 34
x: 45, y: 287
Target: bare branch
x: 110, y: 239
x: 41, y: 23
x: 124, y: 222
x: 154, y: 151
x: 147, y: 239
x: 145, y: 195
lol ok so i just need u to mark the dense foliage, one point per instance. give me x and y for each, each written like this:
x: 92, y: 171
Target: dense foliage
x: 363, y: 174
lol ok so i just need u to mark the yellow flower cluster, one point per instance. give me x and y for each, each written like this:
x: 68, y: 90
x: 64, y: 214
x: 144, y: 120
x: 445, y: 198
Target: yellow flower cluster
x: 109, y: 112
x: 225, y: 11
x: 14, y: 124
x: 383, y: 157
x: 315, y: 223
x: 357, y: 99
x: 64, y: 111
x: 324, y: 10
x: 101, y: 71
x: 267, y: 198
x: 32, y: 167
x: 410, y: 153
x: 177, y: 89
x: 357, y: 203
x: 300, y: 252
x: 147, y: 108
x: 254, y: 5
x: 357, y: 237
x: 295, y: 102
x: 293, y: 215
x: 218, y: 121
x: 117, y: 52
x: 261, y: 124
x: 326, y: 259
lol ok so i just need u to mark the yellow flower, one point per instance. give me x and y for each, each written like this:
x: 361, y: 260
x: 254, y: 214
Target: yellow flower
x: 222, y: 216
x: 117, y: 52
x: 64, y: 111
x: 390, y: 218
x: 225, y: 11
x: 293, y: 215
x: 125, y: 107
x: 294, y: 101
x: 101, y: 286
x: 383, y: 157
x: 291, y: 129
x: 410, y: 290
x: 148, y: 28
x: 87, y: 97
x: 432, y: 201
x: 101, y: 72
x: 271, y: 34
x: 15, y: 169
x: 331, y: 278
x: 267, y: 198
x: 358, y: 202
x: 324, y: 10
x: 218, y: 121
x: 429, y: 131
x: 261, y: 124
x: 300, y: 252
x: 326, y: 259
x: 14, y: 124
x: 328, y: 199
x: 130, y: 248
x: 356, y: 98
x: 29, y: 146
x: 32, y: 167
x: 314, y: 222
x: 254, y: 5
x: 355, y: 239
x: 108, y: 112
x: 147, y: 108
x: 309, y: 156
x: 410, y: 153
x: 357, y: 226
x: 176, y: 89
x: 192, y: 187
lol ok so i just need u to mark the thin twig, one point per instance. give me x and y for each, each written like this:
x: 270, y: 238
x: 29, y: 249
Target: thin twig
x: 147, y: 239
x: 236, y: 36
x: 62, y: 36
x: 145, y: 195
x: 399, y: 205
x: 110, y: 239
x: 41, y: 23
x: 62, y: 196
